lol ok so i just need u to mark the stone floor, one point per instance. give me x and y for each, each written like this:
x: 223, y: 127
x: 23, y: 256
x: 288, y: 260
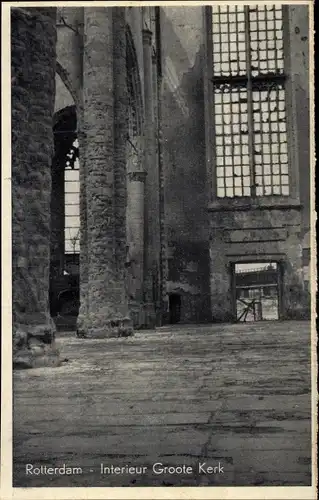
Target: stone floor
x: 233, y: 397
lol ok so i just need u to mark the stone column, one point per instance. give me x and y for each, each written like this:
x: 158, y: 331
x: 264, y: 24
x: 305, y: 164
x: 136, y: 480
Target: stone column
x: 135, y: 236
x: 151, y: 185
x: 107, y: 313
x: 163, y: 268
x: 155, y: 186
x: 33, y: 58
x: 120, y: 141
x: 57, y: 219
x: 57, y: 210
x: 84, y: 307
x: 136, y: 221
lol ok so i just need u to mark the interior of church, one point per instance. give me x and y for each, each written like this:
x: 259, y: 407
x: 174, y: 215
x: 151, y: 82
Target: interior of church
x: 179, y: 170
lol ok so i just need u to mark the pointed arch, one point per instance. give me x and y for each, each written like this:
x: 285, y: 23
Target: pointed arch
x: 65, y: 133
x: 63, y: 74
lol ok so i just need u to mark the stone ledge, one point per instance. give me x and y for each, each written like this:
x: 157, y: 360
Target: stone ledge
x: 247, y: 204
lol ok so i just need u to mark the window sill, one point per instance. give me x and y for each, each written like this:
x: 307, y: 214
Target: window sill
x: 246, y: 203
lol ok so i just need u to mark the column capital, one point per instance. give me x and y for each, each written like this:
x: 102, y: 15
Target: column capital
x: 147, y: 37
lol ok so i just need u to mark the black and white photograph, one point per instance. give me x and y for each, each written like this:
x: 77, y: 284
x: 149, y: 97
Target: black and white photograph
x: 161, y: 261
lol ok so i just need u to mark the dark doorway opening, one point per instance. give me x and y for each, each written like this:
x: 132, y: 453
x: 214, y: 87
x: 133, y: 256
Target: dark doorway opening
x: 174, y: 308
x: 257, y: 291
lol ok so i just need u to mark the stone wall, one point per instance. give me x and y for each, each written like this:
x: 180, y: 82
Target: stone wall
x: 299, y: 64
x: 186, y: 200
x: 188, y: 279
x: 270, y: 228
x: 254, y: 234
x: 69, y: 54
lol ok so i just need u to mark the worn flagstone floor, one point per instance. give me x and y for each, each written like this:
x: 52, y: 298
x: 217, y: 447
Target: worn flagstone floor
x: 235, y: 397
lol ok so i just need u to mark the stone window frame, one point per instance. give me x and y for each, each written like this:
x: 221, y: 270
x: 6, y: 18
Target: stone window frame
x: 278, y: 259
x: 291, y: 200
x: 72, y: 241
x: 65, y: 137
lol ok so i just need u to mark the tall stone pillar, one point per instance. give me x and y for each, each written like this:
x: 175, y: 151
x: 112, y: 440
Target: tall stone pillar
x: 153, y: 183
x: 84, y: 259
x: 120, y: 139
x: 135, y: 210
x: 163, y: 266
x: 107, y: 309
x: 151, y: 214
x: 57, y: 219
x: 33, y: 59
x: 135, y: 237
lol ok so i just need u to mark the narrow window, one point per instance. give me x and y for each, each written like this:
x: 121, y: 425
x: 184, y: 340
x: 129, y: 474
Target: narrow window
x: 72, y: 204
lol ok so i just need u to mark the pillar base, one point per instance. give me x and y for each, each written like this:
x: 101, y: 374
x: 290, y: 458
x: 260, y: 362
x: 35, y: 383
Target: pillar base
x: 34, y: 347
x: 143, y: 315
x: 137, y: 314
x: 150, y: 315
x: 117, y: 327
